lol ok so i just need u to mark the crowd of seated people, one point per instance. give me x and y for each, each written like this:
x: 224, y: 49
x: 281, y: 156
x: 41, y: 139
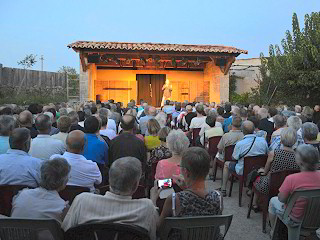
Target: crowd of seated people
x: 94, y: 144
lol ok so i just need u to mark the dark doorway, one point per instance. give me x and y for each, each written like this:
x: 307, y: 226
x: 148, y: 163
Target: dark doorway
x: 150, y: 88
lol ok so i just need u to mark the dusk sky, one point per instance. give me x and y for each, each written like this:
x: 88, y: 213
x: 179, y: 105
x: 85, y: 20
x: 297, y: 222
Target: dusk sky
x: 47, y: 27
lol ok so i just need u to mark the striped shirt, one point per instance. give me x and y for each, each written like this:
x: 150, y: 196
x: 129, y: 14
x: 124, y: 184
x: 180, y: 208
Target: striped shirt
x: 113, y: 208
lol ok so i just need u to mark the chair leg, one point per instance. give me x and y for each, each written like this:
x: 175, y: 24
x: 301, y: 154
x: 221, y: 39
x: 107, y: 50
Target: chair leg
x: 215, y: 173
x: 250, y: 204
x: 231, y: 185
x: 264, y: 219
x: 240, y: 191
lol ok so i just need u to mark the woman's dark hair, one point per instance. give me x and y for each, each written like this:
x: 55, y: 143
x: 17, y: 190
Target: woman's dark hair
x: 81, y: 115
x: 227, y: 107
x: 255, y: 121
x: 211, y: 121
x: 91, y: 125
x: 94, y: 109
x: 33, y: 108
x: 220, y: 110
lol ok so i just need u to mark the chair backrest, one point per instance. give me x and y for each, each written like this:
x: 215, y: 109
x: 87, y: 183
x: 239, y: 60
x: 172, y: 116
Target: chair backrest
x: 253, y: 162
x: 276, y: 180
x: 70, y: 192
x: 228, y: 151
x: 311, y: 218
x: 29, y: 229
x: 213, y: 145
x: 6, y: 194
x: 195, y: 134
x: 197, y: 228
x: 140, y: 193
x: 96, y: 231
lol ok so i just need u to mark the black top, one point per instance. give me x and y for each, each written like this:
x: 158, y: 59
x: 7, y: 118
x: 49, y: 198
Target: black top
x: 316, y: 117
x: 125, y: 145
x: 267, y: 126
x: 226, y: 115
x: 189, y: 117
x: 76, y: 127
x: 33, y: 131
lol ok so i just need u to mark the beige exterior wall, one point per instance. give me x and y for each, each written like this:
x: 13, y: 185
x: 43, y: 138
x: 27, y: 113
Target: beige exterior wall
x: 248, y: 72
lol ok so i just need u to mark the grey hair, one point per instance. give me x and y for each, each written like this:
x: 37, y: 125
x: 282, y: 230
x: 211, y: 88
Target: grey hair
x: 309, y: 131
x: 87, y: 112
x: 279, y: 121
x: 19, y: 138
x: 297, y: 109
x: 294, y: 122
x: 263, y: 113
x: 124, y: 175
x: 54, y: 173
x: 161, y: 118
x: 309, y: 155
x: 288, y: 136
x: 63, y: 111
x: 104, y: 112
x: 212, y: 113
x: 177, y: 142
x: 7, y: 124
x: 74, y: 117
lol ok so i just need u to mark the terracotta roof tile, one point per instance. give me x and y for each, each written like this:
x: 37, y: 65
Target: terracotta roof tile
x: 155, y: 47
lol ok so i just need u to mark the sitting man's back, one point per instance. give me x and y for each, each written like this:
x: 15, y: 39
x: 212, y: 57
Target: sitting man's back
x: 43, y: 146
x: 17, y: 167
x: 117, y: 205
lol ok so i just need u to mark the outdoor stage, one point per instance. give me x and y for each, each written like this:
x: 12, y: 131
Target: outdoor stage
x: 124, y: 71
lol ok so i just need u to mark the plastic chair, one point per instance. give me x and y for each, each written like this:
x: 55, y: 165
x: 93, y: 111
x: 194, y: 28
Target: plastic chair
x: 197, y: 228
x: 70, y: 192
x: 140, y: 193
x: 29, y: 229
x: 195, y: 134
x: 102, y: 231
x: 275, y: 182
x: 7, y: 192
x: 250, y: 163
x: 311, y: 218
x: 213, y: 145
x: 228, y: 151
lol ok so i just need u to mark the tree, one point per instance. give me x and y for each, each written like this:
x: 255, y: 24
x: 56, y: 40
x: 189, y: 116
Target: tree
x: 68, y: 70
x: 291, y: 74
x: 73, y: 79
x: 28, y: 61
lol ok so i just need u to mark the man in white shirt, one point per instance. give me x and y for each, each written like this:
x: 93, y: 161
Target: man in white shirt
x: 117, y: 205
x: 111, y: 124
x: 84, y: 173
x: 43, y: 146
x: 200, y: 119
x: 104, y: 131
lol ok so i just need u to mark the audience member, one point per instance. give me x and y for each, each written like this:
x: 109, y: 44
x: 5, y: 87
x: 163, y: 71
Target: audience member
x: 227, y: 108
x: 310, y: 133
x: 64, y: 125
x: 298, y: 110
x: 152, y: 140
x: 111, y: 124
x: 26, y: 120
x: 258, y: 132
x: 143, y: 110
x: 152, y: 111
x: 117, y: 204
x: 235, y: 112
x: 127, y: 144
x: 280, y: 122
x: 213, y: 131
x: 7, y: 124
x: 43, y: 146
x: 161, y: 117
x: 272, y: 112
x: 84, y: 172
x: 186, y: 121
x: 162, y: 151
x: 307, y: 157
x: 316, y: 114
x: 44, y: 202
x: 308, y: 113
x: 199, y: 120
x: 95, y: 149
x: 278, y: 160
x: 265, y: 124
x: 177, y: 142
x: 195, y: 200
x: 54, y: 113
x: 243, y: 114
x: 17, y: 167
x: 53, y: 130
x: 250, y: 145
x: 74, y: 117
x: 220, y: 111
x: 104, y: 131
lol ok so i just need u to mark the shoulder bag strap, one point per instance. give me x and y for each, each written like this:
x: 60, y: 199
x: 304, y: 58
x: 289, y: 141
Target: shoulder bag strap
x: 243, y: 155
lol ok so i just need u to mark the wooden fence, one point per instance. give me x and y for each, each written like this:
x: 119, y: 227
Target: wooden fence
x: 22, y: 78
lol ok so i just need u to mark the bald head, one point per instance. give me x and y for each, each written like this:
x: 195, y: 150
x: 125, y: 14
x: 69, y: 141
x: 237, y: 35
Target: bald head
x: 247, y: 127
x: 25, y: 119
x: 75, y: 141
x: 127, y: 122
x: 152, y: 111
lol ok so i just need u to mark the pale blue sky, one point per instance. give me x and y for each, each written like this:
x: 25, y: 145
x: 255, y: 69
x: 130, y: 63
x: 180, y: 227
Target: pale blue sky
x: 47, y: 27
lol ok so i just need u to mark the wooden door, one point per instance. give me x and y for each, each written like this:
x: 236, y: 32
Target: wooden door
x: 157, y: 82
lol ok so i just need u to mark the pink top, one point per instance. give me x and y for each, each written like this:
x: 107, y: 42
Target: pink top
x: 301, y: 180
x: 166, y: 169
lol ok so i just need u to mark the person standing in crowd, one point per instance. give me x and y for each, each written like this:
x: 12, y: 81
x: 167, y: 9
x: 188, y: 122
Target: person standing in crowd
x: 43, y: 146
x: 44, y: 202
x: 17, y: 167
x: 7, y: 124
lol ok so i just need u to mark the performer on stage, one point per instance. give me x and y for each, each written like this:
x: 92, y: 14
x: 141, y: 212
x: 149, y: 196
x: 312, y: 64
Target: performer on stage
x: 167, y: 89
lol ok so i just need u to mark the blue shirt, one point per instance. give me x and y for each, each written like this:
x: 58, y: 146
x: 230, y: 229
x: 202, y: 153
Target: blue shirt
x: 96, y: 149
x: 226, y: 123
x: 143, y: 124
x: 4, y: 144
x: 169, y: 109
x: 260, y: 147
x: 176, y: 114
x: 19, y: 168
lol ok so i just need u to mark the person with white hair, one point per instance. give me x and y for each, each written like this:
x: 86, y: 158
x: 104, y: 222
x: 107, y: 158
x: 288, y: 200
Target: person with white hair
x: 161, y: 117
x: 177, y: 142
x: 264, y: 123
x: 54, y: 130
x: 117, y: 204
x: 297, y: 109
x: 186, y: 121
x: 7, y: 124
x: 296, y: 123
x: 310, y: 133
x: 111, y: 124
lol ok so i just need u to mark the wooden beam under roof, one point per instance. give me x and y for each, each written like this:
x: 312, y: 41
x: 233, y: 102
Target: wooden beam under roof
x: 84, y: 61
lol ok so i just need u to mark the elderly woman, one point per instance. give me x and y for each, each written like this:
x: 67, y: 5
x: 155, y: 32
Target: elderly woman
x: 310, y: 133
x: 161, y: 152
x: 177, y: 142
x: 307, y: 157
x: 161, y: 118
x: 279, y: 159
x: 44, y: 201
x: 195, y: 200
x: 152, y: 140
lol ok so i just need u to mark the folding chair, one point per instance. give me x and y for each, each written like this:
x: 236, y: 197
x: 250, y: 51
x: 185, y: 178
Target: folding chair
x: 228, y: 151
x: 195, y: 134
x: 70, y: 192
